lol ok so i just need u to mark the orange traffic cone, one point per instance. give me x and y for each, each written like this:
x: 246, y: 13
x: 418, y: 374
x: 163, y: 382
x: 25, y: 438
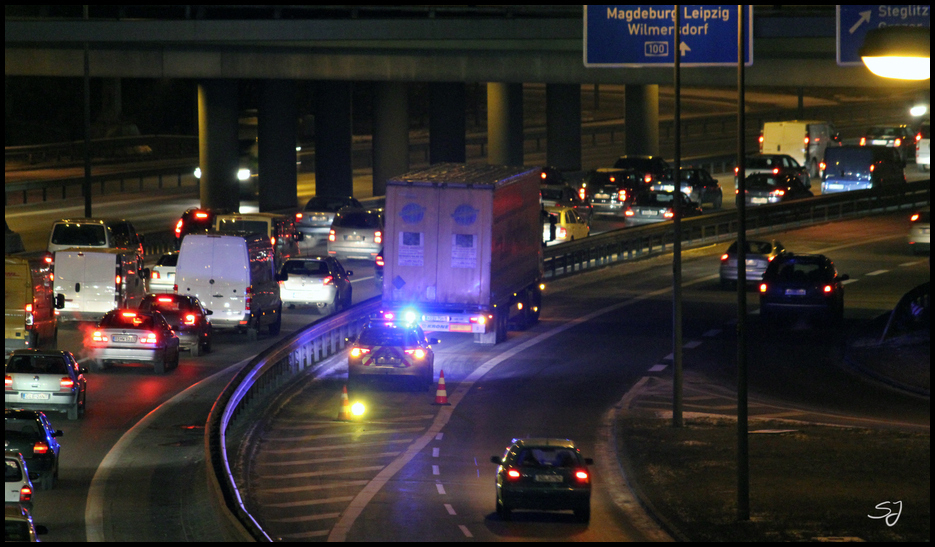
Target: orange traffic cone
x: 345, y: 413
x: 441, y: 394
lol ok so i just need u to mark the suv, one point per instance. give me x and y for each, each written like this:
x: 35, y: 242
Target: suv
x: 774, y: 164
x: 696, y: 183
x: 891, y: 136
x: 196, y: 220
x: 860, y: 168
x: 356, y: 233
x: 94, y: 233
x: 612, y: 189
x: 652, y: 168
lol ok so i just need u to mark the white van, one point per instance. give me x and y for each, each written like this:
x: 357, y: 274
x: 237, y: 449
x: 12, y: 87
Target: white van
x: 805, y: 141
x: 233, y: 275
x: 94, y: 233
x: 95, y: 281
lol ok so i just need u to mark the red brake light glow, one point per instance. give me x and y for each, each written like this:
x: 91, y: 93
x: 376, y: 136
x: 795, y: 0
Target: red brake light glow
x: 331, y: 236
x: 128, y: 314
x: 357, y: 352
x: 40, y: 448
x: 828, y: 288
x: 629, y: 213
x: 897, y: 143
x: 622, y: 195
x: 581, y: 475
x: 863, y: 141
x: 327, y: 280
x: 190, y: 319
x: 669, y: 214
x: 647, y: 178
x: 66, y: 383
x: 379, y: 260
x: 201, y: 214
x: 513, y: 474
x: 378, y: 237
x: 724, y: 257
x: 298, y: 216
x: 418, y: 353
x: 148, y: 338
x: 775, y: 170
x: 762, y: 287
x: 25, y: 494
x: 178, y: 228
x: 914, y: 217
x: 8, y: 382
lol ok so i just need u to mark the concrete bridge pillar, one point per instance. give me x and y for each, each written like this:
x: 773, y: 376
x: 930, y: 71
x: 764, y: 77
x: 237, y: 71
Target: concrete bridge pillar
x: 641, y: 109
x: 217, y: 144
x: 504, y: 124
x: 333, y: 175
x: 276, y: 139
x: 390, y: 133
x: 447, y: 126
x: 563, y: 126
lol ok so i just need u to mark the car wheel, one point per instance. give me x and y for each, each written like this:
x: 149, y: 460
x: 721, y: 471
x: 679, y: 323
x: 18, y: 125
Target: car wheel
x: 196, y: 348
x: 503, y: 511
x: 160, y: 366
x: 207, y: 346
x: 583, y: 513
x: 84, y: 403
x: 73, y: 412
x: 47, y: 482
x: 276, y: 326
x: 718, y: 202
x: 253, y: 331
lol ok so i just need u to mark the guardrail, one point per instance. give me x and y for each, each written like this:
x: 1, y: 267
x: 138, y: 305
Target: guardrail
x: 265, y: 374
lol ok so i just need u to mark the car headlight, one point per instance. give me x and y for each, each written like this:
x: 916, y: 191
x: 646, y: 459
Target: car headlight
x: 198, y: 172
x: 243, y: 174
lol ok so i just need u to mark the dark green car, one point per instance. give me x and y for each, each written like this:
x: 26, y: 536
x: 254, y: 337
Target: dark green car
x: 543, y: 474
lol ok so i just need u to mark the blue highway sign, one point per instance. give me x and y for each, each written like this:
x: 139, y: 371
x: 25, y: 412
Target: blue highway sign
x: 853, y: 23
x: 638, y: 36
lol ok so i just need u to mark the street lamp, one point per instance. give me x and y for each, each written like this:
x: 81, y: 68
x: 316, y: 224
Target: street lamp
x: 898, y: 52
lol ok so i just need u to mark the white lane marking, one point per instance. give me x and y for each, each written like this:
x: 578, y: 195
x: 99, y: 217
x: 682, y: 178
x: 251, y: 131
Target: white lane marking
x: 291, y: 463
x: 450, y: 509
x: 848, y: 281
x: 908, y: 264
x: 435, y: 452
x: 435, y: 470
x: 878, y: 272
x: 712, y: 333
x: 307, y: 518
x: 464, y: 529
x: 439, y: 436
x: 670, y: 357
x: 308, y: 474
x: 356, y: 279
x: 306, y: 503
x: 440, y: 488
x: 311, y: 487
x: 657, y: 368
x: 693, y: 344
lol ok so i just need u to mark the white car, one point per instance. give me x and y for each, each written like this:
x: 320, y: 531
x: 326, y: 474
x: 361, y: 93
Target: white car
x: 19, y: 487
x: 162, y: 275
x: 923, y: 153
x: 320, y: 281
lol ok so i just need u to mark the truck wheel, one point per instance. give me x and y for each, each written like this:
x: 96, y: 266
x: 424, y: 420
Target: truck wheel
x: 196, y: 349
x: 73, y: 412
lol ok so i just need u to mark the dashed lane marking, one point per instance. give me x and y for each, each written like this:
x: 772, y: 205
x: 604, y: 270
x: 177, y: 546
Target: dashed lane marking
x: 712, y: 333
x: 440, y: 488
x: 464, y: 529
x: 435, y: 470
x: 435, y: 452
x: 878, y: 272
x: 307, y: 518
x: 658, y: 368
x: 450, y: 509
x: 311, y: 487
x: 693, y: 344
x: 345, y: 434
x: 306, y: 503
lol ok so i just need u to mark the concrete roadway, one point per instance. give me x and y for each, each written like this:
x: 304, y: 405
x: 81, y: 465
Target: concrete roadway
x: 412, y: 471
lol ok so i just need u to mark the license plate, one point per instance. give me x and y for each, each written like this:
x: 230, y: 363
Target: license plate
x: 436, y: 318
x: 668, y: 187
x: 758, y: 200
x: 35, y: 396
x: 353, y: 238
x: 119, y: 338
x: 649, y: 213
x: 456, y: 327
x: 878, y: 141
x: 602, y: 196
x: 795, y: 292
x: 751, y: 262
x: 387, y: 361
x: 549, y: 478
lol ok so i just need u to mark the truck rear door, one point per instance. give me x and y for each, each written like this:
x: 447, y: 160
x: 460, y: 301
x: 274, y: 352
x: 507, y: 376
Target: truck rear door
x: 463, y: 233
x: 411, y: 250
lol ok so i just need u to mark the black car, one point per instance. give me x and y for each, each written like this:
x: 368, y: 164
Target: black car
x: 552, y: 175
x: 656, y: 206
x: 387, y: 349
x: 651, y: 168
x: 773, y: 164
x: 30, y: 433
x: 196, y: 220
x: 187, y: 317
x: 544, y: 474
x: 315, y: 219
x: 762, y: 189
x: 852, y: 167
x: 801, y: 284
x: 697, y: 184
x: 378, y: 270
x: 611, y: 190
x: 899, y: 137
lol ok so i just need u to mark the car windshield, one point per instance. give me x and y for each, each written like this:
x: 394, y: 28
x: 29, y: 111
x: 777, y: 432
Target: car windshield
x: 168, y: 260
x: 763, y: 181
x: 320, y: 203
x: 798, y: 271
x: 13, y: 473
x: 118, y: 320
x: 755, y: 247
x: 28, y: 426
x: 165, y: 304
x: 621, y: 178
x: 554, y: 194
x: 389, y: 335
x: 306, y: 267
x: 38, y: 364
x: 764, y: 162
x: 79, y: 234
x: 357, y: 219
x: 883, y: 132
x: 249, y: 226
x: 663, y: 199
x: 548, y: 456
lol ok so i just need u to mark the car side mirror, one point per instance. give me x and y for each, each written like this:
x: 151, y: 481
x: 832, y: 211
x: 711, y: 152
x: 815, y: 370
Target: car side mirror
x: 59, y: 301
x: 496, y: 459
x: 589, y: 461
x: 209, y: 312
x: 844, y: 277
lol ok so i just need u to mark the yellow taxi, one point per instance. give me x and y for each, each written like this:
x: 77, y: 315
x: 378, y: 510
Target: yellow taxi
x: 561, y: 224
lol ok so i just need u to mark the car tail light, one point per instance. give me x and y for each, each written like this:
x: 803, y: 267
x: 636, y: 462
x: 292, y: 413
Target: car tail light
x: 621, y: 195
x: 770, y: 258
x: 40, y: 448
x: 805, y: 140
x: 762, y: 287
x: 914, y: 217
x: 775, y: 170
x: 389, y: 316
x: 629, y: 213
x: 25, y: 494
x: 298, y: 216
x: 863, y: 141
x: 918, y: 136
x: 178, y: 228
x: 148, y: 338
x: 331, y: 235
x: 66, y: 383
x: 155, y: 275
x: 761, y: 142
x: 648, y: 178
x: 736, y: 171
x: 418, y: 353
x: 822, y: 165
x: 828, y: 289
x: 379, y: 260
x: 872, y: 167
x: 724, y: 257
x: 97, y: 336
x: 327, y: 280
x: 480, y: 320
x: 543, y: 175
x: 190, y: 319
x: 561, y: 232
x: 581, y: 475
x: 897, y: 143
x: 8, y: 382
x: 582, y: 193
x: 668, y: 214
x: 118, y: 279
x: 512, y: 474
x: 201, y: 214
x: 378, y: 237
x: 247, y: 298
x: 778, y: 192
x: 357, y: 352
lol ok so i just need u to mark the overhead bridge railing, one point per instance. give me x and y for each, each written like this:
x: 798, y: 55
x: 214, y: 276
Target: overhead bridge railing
x: 642, y: 241
x: 250, y: 391
x: 254, y: 386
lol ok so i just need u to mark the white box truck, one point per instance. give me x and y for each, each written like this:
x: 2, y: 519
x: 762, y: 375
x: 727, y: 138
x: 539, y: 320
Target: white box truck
x: 804, y: 141
x: 463, y: 249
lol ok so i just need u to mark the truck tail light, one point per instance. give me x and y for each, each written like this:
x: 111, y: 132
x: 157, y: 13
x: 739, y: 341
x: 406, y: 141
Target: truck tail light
x: 379, y: 260
x: 30, y: 319
x: 247, y: 298
x: 621, y: 195
x: 66, y: 383
x: 479, y: 319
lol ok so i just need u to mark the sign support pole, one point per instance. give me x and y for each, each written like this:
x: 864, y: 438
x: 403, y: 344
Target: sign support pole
x: 677, y: 244
x: 743, y: 456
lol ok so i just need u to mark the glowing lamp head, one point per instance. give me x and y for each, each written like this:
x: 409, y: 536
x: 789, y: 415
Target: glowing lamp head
x: 358, y: 409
